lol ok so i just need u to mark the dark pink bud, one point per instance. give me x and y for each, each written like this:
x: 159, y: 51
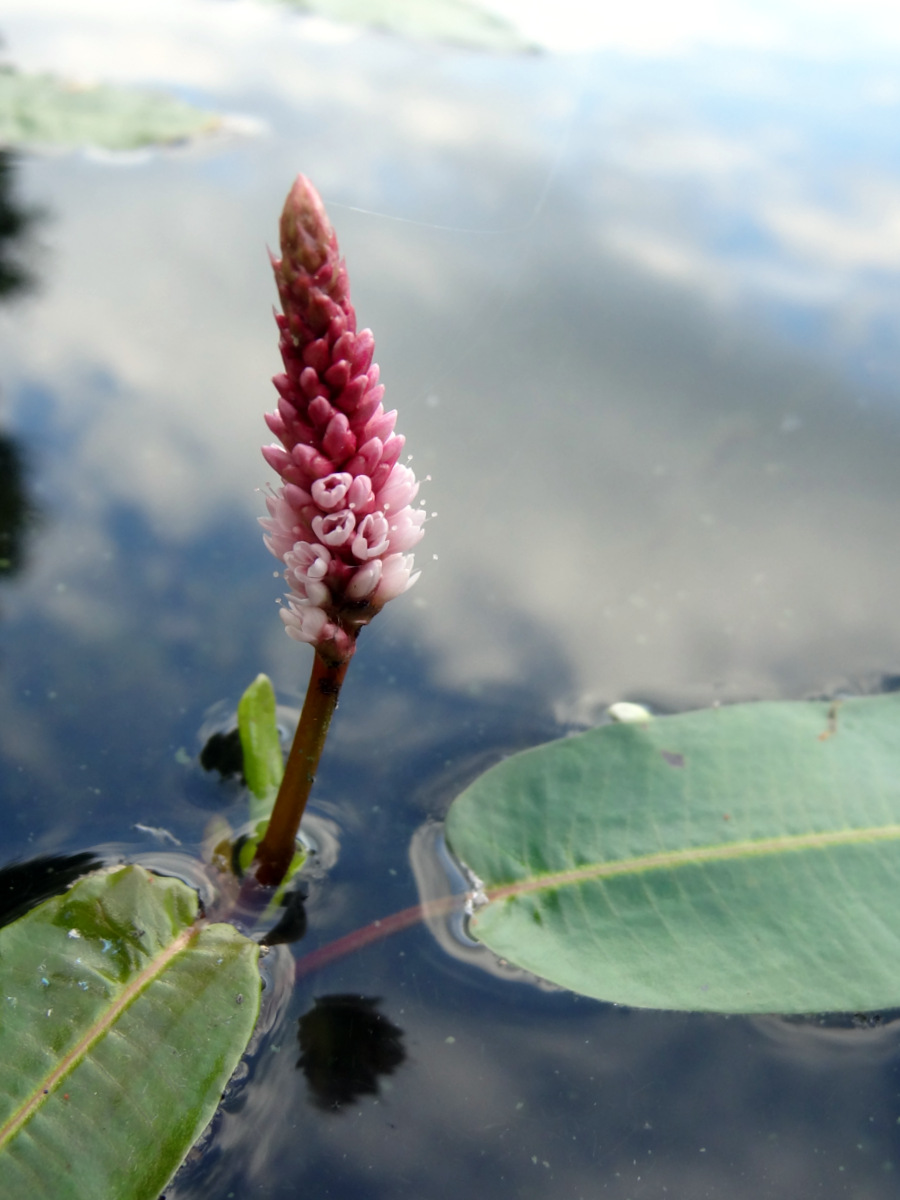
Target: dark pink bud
x: 362, y: 351
x: 311, y: 462
x: 392, y: 450
x: 381, y: 426
x: 338, y: 442
x: 283, y: 385
x: 310, y: 382
x: 343, y: 347
x: 374, y: 395
x: 278, y: 459
x: 287, y: 409
x: 380, y: 476
x: 317, y: 355
x: 276, y: 425
x: 369, y: 406
x: 296, y: 497
x: 366, y: 459
x: 350, y: 397
x: 320, y: 412
x: 338, y: 375
x: 339, y: 322
x: 360, y: 498
x: 307, y: 239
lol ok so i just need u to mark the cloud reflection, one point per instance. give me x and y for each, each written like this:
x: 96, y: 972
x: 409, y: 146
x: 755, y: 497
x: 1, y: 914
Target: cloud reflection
x: 628, y: 313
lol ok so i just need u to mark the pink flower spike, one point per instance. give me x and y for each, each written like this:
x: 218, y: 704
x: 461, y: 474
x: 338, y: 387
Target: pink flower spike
x: 341, y: 520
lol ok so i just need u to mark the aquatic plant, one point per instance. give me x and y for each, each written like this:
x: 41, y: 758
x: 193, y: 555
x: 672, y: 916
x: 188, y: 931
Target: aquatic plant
x: 342, y: 520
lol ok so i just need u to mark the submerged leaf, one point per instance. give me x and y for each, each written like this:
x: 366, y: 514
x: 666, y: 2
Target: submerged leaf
x: 42, y: 110
x: 740, y: 859
x: 122, y: 1017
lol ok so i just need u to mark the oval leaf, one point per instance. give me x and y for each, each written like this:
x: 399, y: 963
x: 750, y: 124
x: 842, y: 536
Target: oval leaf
x: 121, y: 1020
x: 740, y: 859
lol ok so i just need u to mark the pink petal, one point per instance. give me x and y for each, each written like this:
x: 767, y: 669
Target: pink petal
x: 335, y: 529
x: 330, y: 491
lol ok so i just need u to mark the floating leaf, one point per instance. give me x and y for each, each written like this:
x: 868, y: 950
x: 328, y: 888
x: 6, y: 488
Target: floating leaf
x: 121, y: 1020
x: 456, y: 21
x: 740, y: 859
x: 41, y: 110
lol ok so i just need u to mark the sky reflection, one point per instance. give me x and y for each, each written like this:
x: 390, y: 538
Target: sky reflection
x: 639, y: 318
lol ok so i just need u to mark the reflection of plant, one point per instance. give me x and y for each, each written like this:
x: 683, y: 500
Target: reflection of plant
x: 346, y: 1044
x: 15, y: 223
x: 15, y: 509
x: 23, y: 885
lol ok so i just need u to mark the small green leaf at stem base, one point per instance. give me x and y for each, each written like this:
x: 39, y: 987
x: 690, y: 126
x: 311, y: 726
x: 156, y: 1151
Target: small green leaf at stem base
x: 261, y: 746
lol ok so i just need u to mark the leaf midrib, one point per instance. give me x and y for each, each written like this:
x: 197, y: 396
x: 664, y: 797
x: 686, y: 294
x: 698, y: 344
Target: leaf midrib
x: 719, y: 852
x: 98, y: 1029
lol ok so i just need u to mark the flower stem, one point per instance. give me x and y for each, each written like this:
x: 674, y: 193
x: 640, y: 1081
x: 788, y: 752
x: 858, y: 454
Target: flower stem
x: 276, y: 850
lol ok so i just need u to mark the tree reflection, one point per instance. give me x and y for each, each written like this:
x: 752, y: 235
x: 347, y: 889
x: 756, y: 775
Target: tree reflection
x: 15, y: 224
x: 25, y: 884
x: 16, y: 513
x: 346, y: 1044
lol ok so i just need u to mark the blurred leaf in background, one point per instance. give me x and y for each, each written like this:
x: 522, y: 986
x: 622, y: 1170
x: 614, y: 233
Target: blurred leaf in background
x: 43, y: 110
x: 453, y: 21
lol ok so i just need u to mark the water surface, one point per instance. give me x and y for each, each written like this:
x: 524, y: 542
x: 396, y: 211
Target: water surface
x: 638, y: 313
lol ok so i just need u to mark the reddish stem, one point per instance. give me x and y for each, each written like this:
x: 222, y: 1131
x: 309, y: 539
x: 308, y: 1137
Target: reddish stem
x: 375, y: 932
x: 276, y: 850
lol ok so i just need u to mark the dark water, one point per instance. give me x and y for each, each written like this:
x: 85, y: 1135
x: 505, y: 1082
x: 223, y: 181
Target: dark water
x: 639, y: 316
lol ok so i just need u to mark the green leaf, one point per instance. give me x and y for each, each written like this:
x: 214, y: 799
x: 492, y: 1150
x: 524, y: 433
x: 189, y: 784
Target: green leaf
x: 263, y: 764
x: 261, y: 745
x: 121, y: 1020
x: 44, y: 110
x: 464, y: 24
x: 740, y: 859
